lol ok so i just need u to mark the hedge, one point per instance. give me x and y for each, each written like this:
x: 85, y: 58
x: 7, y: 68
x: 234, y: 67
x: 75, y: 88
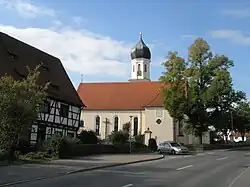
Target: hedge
x: 79, y: 150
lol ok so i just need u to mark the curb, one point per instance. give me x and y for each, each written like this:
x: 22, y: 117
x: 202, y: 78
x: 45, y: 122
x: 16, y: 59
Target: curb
x: 113, y: 165
x: 78, y: 171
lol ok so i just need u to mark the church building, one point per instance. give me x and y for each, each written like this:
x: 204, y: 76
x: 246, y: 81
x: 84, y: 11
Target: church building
x: 139, y: 101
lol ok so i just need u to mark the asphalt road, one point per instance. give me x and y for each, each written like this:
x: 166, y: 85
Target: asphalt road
x: 217, y: 169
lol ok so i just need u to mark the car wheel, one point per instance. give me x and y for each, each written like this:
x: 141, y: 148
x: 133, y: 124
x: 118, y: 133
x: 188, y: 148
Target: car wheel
x: 159, y: 151
x: 173, y: 152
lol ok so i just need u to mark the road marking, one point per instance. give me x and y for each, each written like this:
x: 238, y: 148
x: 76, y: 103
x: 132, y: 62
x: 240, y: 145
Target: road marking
x: 211, y: 153
x: 236, y: 178
x: 184, y: 167
x: 223, y: 158
x: 122, y: 172
x: 201, y: 154
x: 128, y: 185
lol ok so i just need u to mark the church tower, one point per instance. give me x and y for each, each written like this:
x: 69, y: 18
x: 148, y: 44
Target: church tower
x: 140, y: 62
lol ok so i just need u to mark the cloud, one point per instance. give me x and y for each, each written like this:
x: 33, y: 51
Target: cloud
x: 236, y: 36
x: 238, y: 13
x: 80, y: 51
x: 26, y: 9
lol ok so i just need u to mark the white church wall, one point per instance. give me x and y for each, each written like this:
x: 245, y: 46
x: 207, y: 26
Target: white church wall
x: 89, y: 116
x: 162, y: 131
x: 142, y: 62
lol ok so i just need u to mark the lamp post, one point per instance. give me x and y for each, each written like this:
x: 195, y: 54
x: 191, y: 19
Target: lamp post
x: 130, y: 128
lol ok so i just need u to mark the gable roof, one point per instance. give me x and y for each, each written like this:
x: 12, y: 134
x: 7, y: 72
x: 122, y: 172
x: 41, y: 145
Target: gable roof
x: 121, y: 95
x: 16, y: 56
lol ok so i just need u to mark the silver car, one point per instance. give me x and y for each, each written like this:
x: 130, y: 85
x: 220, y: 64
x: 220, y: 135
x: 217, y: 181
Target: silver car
x: 173, y: 148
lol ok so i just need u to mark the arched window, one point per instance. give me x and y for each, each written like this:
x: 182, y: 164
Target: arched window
x: 145, y: 67
x: 116, y: 124
x: 97, y: 125
x: 135, y: 126
x: 139, y: 67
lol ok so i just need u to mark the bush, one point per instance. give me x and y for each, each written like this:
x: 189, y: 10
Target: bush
x: 88, y: 137
x: 139, y: 139
x: 37, y: 156
x: 52, y: 145
x: 152, y: 144
x: 23, y: 146
x: 4, y: 156
x: 118, y: 137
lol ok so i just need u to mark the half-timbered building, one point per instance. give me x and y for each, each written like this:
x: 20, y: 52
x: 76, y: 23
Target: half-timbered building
x: 62, y: 108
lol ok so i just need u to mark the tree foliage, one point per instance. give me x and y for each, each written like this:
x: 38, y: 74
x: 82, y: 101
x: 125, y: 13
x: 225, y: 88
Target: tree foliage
x: 20, y: 102
x: 241, y: 116
x: 88, y: 137
x: 198, y: 86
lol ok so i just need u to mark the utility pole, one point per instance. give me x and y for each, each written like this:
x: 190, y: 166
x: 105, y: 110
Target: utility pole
x: 130, y: 129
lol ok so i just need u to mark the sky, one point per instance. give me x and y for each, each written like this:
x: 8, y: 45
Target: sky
x: 94, y: 38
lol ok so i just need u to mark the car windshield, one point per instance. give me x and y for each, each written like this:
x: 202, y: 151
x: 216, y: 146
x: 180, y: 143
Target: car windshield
x: 175, y: 144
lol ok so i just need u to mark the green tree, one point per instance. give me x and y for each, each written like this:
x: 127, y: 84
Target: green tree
x: 241, y: 117
x: 175, y: 93
x: 221, y: 116
x: 20, y: 102
x: 197, y: 86
x: 118, y: 137
x: 126, y: 128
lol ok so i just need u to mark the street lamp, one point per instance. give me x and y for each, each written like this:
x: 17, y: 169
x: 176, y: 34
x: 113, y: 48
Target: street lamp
x: 130, y: 128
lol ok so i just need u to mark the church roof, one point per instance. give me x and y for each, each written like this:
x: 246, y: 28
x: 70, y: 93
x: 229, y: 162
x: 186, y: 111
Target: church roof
x: 16, y: 56
x: 121, y: 95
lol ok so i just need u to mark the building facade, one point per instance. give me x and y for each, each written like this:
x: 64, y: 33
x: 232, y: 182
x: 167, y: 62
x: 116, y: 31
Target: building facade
x: 139, y: 101
x: 62, y: 108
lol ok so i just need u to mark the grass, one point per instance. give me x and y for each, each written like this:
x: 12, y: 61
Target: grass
x: 23, y: 159
x: 28, y: 160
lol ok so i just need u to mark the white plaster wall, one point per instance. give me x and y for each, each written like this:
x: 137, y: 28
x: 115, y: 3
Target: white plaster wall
x: 162, y: 131
x: 88, y: 116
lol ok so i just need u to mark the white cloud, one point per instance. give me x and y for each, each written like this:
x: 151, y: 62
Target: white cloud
x: 238, y: 13
x: 235, y: 36
x: 25, y: 9
x: 80, y: 51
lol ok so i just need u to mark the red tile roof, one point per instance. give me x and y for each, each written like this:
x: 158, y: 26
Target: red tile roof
x: 121, y: 95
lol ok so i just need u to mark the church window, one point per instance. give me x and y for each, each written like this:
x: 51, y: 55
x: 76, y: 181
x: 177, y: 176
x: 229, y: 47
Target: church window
x: 97, y: 125
x: 116, y: 124
x: 133, y: 68
x: 145, y: 67
x: 135, y: 126
x: 139, y: 67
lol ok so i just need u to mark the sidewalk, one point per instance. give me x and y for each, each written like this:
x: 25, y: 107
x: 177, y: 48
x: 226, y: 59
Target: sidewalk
x: 29, y: 172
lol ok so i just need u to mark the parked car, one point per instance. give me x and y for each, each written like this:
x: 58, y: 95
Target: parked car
x: 172, y: 148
